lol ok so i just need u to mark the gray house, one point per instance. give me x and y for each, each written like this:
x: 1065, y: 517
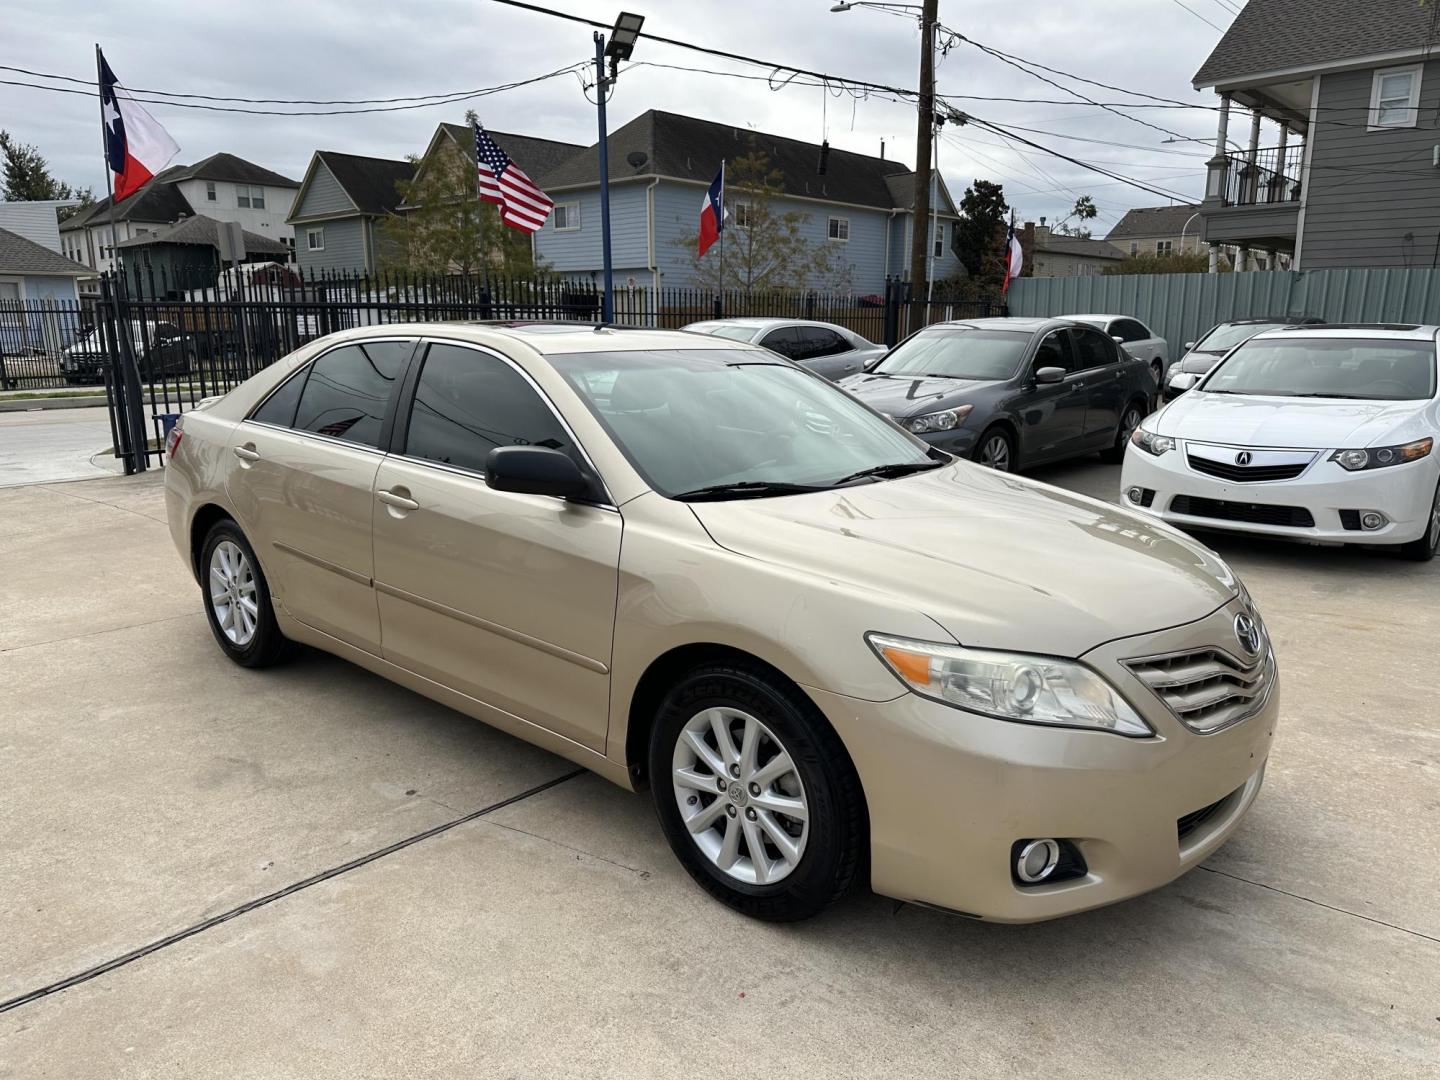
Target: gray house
x: 338, y: 211
x: 1351, y: 180
x: 660, y: 165
x: 175, y: 259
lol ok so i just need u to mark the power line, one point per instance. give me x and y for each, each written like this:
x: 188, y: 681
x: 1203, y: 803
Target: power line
x: 1197, y: 15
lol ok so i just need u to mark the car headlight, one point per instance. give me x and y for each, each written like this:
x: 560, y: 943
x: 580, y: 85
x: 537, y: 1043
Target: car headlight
x: 1183, y: 380
x: 1010, y: 686
x: 939, y: 421
x: 1377, y: 457
x: 1150, y: 442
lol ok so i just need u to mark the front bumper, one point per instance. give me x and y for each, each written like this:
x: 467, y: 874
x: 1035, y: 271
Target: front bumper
x: 1403, y: 493
x: 950, y: 792
x: 959, y: 441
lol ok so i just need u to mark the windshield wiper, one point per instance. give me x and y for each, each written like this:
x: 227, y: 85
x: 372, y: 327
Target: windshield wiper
x: 745, y: 489
x: 889, y: 471
x: 1346, y: 397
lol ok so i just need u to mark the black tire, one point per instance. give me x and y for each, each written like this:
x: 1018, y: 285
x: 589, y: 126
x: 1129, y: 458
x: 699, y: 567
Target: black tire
x: 982, y: 451
x: 266, y: 645
x: 835, y: 846
x: 1129, y: 421
x: 1424, y: 549
x: 1158, y: 371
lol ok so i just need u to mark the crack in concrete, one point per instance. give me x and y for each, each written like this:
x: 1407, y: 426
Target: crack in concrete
x: 97, y: 633
x: 644, y: 874
x: 100, y: 502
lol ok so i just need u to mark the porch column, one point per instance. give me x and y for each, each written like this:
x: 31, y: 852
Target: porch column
x: 1252, y: 159
x: 1242, y: 259
x: 1217, y: 166
x: 1214, y: 258
x: 1223, y: 132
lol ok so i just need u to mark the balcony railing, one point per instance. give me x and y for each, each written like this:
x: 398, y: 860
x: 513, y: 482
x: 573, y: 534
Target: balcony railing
x: 1263, y: 177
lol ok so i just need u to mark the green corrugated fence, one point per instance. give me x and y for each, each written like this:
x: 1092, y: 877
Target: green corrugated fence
x: 1181, y: 307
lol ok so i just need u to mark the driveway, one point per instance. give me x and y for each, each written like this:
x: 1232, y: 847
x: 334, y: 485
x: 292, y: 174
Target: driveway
x: 43, y: 446
x: 309, y: 872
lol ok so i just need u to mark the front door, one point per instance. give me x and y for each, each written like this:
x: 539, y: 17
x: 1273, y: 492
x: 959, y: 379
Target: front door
x: 506, y: 598
x: 1052, y: 414
x: 309, y: 455
x: 1099, y: 361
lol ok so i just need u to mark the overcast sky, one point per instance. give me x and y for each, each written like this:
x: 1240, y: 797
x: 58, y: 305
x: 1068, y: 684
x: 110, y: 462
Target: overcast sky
x: 324, y: 49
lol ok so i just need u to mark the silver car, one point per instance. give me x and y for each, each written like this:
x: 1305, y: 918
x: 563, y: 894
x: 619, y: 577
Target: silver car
x: 824, y: 348
x: 1135, y: 338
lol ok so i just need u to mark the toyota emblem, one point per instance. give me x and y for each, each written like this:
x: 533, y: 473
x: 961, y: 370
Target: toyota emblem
x: 1247, y: 632
x: 1243, y: 458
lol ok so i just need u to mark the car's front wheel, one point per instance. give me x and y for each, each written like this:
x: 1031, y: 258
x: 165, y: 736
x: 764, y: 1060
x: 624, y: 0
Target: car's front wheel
x: 237, y: 599
x: 996, y: 449
x: 1424, y: 549
x: 1129, y: 421
x: 756, y: 793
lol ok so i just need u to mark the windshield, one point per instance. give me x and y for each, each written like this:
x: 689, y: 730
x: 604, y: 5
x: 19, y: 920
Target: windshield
x: 725, y: 330
x: 1227, y: 335
x: 695, y: 419
x: 1373, y: 370
x: 957, y: 352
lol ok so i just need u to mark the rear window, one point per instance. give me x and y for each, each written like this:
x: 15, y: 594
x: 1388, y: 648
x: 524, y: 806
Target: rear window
x: 348, y: 389
x: 725, y: 330
x: 1343, y: 368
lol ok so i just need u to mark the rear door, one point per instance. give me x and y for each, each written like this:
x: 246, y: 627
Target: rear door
x: 826, y: 352
x: 507, y: 598
x: 1052, y: 414
x: 1099, y: 365
x: 303, y: 484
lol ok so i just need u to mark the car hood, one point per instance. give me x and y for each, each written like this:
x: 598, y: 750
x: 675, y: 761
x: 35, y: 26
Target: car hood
x: 1197, y: 363
x: 910, y: 395
x: 1303, y: 423
x: 997, y: 560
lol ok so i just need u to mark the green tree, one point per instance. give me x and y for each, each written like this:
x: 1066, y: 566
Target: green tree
x: 980, y: 233
x: 765, y: 246
x: 1083, y: 210
x: 447, y: 228
x: 27, y: 178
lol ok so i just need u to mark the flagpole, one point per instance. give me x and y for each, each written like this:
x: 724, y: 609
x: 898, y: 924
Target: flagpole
x: 721, y: 223
x: 105, y: 147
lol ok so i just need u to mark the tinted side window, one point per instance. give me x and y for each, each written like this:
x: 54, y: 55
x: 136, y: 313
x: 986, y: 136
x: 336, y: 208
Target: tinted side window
x: 1130, y: 330
x: 467, y: 403
x: 785, y: 341
x: 1092, y: 349
x: 348, y: 389
x: 820, y: 341
x: 279, y: 407
x: 1053, y: 353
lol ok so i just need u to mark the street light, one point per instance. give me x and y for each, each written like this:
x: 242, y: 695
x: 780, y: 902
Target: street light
x: 622, y: 43
x: 624, y: 36
x: 921, y: 238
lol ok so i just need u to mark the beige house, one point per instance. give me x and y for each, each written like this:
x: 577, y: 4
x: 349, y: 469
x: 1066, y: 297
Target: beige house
x: 1051, y: 254
x: 1175, y: 230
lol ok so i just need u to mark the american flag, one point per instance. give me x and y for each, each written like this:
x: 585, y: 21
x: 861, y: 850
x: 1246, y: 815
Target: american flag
x: 522, y: 204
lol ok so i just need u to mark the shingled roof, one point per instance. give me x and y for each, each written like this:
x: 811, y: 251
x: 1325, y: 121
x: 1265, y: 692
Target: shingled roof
x: 19, y: 255
x: 1153, y: 221
x: 370, y: 182
x: 538, y: 157
x: 1077, y: 245
x: 205, y: 231
x: 157, y: 201
x: 229, y: 168
x: 1272, y: 35
x: 688, y: 148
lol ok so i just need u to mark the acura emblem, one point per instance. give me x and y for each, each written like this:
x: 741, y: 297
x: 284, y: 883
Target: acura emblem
x: 1242, y: 458
x: 1247, y: 632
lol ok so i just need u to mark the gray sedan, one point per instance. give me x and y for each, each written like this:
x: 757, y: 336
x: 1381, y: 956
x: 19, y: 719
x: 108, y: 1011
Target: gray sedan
x: 1011, y: 392
x: 824, y: 348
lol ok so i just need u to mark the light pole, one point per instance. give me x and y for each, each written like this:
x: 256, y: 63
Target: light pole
x: 920, y: 238
x: 1191, y: 218
x: 621, y: 45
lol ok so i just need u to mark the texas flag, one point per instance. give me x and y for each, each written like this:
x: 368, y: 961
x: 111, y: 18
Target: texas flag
x: 1014, y: 259
x: 136, y: 146
x: 712, y: 214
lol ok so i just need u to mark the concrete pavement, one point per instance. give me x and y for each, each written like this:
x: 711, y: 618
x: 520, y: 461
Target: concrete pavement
x: 43, y: 446
x: 147, y: 786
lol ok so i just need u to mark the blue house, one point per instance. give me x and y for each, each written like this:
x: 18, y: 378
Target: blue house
x: 660, y: 165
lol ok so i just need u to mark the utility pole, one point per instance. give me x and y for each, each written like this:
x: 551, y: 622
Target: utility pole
x: 924, y: 143
x: 602, y: 87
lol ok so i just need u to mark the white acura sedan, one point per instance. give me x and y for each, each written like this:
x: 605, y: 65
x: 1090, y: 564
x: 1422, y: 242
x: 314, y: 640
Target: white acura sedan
x: 1320, y: 433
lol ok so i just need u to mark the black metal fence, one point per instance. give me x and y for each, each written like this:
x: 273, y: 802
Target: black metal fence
x: 1268, y: 175
x: 160, y: 346
x: 35, y: 336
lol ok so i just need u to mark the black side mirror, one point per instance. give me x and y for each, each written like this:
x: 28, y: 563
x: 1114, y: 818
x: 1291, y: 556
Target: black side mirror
x: 1049, y: 375
x: 534, y: 470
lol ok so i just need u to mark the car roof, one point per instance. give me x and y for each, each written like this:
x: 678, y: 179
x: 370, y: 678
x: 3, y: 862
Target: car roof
x: 1009, y: 322
x: 1283, y: 320
x: 1102, y: 318
x: 1356, y: 331
x: 760, y: 322
x: 555, y: 337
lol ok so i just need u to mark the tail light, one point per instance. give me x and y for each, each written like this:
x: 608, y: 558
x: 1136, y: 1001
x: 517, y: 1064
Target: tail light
x: 172, y: 441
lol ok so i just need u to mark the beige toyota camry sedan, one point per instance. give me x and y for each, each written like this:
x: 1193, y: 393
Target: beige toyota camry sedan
x: 832, y: 653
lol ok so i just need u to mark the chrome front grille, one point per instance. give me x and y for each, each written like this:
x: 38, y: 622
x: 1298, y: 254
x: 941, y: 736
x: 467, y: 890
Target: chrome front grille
x: 1207, y: 689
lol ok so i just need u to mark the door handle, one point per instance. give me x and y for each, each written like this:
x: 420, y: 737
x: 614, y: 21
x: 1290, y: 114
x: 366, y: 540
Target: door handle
x: 397, y: 500
x: 247, y: 453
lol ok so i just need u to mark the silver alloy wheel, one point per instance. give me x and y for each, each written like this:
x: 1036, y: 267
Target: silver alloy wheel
x: 1128, y: 423
x: 740, y: 796
x: 1434, y: 535
x: 996, y: 453
x: 233, y: 596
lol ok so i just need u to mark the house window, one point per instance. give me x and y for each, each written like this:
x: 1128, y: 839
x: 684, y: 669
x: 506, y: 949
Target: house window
x: 1134, y: 247
x: 1164, y: 247
x: 209, y: 190
x: 840, y: 228
x: 567, y: 216
x: 315, y: 239
x: 1395, y: 98
x: 939, y: 240
x: 250, y: 196
x: 744, y: 215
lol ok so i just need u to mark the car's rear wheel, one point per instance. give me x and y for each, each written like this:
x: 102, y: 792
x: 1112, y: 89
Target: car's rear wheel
x: 237, y: 599
x: 756, y: 793
x: 1129, y: 421
x: 1157, y: 370
x: 996, y: 449
x: 1424, y: 549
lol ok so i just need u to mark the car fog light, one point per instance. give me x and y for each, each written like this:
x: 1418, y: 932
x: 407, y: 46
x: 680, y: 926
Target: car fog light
x: 1037, y: 861
x: 1372, y: 520
x: 1134, y: 494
